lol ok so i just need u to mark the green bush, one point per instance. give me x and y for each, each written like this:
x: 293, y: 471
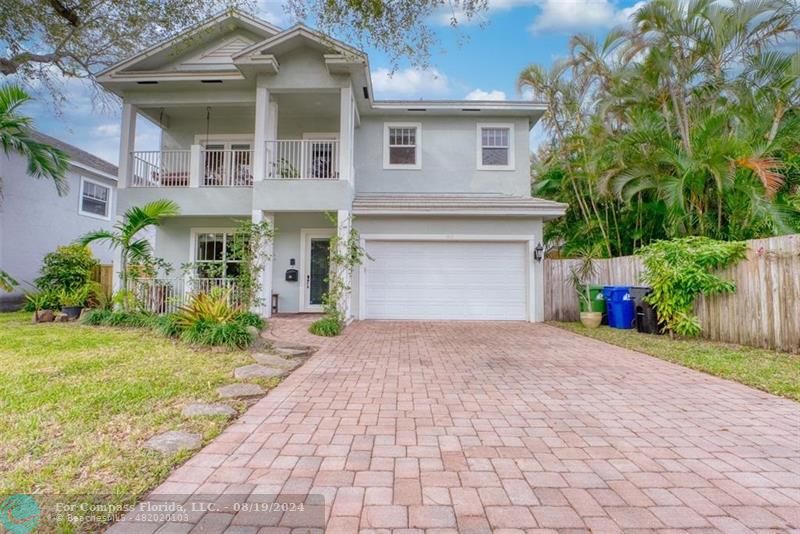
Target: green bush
x: 250, y: 319
x: 166, y: 325
x: 204, y: 332
x: 120, y: 319
x: 67, y: 268
x: 96, y: 317
x: 42, y: 300
x: 681, y: 269
x: 327, y: 327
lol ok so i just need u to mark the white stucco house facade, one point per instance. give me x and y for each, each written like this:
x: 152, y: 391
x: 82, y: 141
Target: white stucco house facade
x: 35, y: 220
x: 262, y: 123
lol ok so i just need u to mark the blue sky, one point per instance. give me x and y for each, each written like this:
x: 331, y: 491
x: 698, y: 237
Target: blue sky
x: 473, y: 61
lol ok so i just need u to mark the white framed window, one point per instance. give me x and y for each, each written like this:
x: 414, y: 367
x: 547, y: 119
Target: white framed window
x: 402, y: 143
x: 95, y: 199
x: 215, y: 254
x: 495, y: 146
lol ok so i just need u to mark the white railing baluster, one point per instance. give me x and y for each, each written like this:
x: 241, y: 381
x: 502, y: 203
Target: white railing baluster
x: 302, y: 159
x: 157, y: 168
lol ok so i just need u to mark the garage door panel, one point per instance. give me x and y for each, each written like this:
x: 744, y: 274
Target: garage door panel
x: 446, y: 280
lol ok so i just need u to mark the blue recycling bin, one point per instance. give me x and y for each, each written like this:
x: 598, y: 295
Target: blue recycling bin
x: 620, y: 306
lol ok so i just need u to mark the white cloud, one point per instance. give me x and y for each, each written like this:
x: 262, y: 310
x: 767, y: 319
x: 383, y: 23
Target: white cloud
x: 480, y: 94
x: 576, y: 15
x: 409, y: 83
x: 110, y: 129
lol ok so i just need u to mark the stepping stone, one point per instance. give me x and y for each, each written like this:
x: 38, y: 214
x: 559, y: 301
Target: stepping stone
x: 174, y: 441
x: 273, y: 360
x: 257, y: 371
x: 240, y: 391
x: 202, y: 409
x: 289, y: 352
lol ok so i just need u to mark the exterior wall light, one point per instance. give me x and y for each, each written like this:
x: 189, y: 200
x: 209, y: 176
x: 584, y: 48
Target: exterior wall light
x: 538, y: 252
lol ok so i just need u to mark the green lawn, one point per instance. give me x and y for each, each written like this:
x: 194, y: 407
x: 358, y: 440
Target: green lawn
x: 77, y: 403
x: 767, y: 370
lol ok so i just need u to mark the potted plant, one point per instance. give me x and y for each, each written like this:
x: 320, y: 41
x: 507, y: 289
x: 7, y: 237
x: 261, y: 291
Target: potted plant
x: 72, y: 302
x: 580, y: 281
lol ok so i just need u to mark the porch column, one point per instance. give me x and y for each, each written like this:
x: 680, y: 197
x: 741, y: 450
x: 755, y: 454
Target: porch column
x: 264, y: 308
x: 344, y: 222
x: 261, y: 130
x: 127, y: 139
x: 346, y: 126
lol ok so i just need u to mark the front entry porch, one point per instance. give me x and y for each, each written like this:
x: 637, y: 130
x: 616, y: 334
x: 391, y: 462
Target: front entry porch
x: 202, y: 255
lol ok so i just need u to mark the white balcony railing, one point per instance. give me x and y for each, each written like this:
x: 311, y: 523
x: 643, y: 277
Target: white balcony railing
x: 197, y: 167
x: 291, y: 159
x: 161, y: 168
x: 295, y: 159
x: 166, y: 295
x: 227, y: 168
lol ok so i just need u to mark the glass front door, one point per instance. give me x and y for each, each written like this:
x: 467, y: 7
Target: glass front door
x: 317, y: 277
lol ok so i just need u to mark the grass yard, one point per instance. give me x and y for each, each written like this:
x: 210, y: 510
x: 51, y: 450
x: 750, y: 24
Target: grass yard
x: 775, y: 372
x: 77, y: 403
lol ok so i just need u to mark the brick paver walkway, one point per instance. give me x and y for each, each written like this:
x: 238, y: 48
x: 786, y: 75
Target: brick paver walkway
x: 504, y: 427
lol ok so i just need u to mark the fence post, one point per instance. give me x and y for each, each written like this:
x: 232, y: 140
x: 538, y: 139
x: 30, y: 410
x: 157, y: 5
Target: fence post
x: 195, y: 165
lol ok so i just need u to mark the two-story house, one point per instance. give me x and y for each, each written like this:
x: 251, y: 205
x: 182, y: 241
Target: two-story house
x: 263, y: 123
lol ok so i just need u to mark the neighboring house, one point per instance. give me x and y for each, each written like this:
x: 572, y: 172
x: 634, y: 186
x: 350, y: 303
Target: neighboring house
x: 34, y: 219
x: 262, y: 123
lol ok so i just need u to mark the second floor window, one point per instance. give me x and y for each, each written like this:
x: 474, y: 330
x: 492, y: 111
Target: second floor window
x: 95, y: 199
x: 495, y: 146
x: 401, y: 146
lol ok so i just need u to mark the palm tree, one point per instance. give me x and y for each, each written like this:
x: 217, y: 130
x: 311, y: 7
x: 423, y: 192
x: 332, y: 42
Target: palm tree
x: 44, y: 161
x: 126, y: 233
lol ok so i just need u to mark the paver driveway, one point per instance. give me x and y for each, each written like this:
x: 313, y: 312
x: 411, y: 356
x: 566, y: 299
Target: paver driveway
x: 482, y: 427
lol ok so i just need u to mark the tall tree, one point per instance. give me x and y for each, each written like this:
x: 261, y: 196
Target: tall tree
x: 683, y: 122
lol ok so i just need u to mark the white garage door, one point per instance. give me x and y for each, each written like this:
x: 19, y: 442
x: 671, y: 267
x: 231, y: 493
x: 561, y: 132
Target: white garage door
x: 446, y: 280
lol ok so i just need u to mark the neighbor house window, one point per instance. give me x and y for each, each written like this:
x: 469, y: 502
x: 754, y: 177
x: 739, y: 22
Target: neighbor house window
x: 216, y: 254
x: 401, y: 145
x: 95, y: 199
x: 496, y: 146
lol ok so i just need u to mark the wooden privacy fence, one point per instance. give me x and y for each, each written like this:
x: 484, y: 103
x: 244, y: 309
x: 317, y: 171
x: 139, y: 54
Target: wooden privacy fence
x: 763, y: 312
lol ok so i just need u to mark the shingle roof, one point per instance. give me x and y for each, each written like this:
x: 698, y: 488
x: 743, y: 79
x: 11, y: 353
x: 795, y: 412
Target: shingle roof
x: 76, y: 154
x: 454, y: 204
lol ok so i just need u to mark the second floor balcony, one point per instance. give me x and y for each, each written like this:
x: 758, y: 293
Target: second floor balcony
x: 232, y: 166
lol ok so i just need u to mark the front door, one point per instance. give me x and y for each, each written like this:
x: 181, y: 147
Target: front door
x: 316, y: 265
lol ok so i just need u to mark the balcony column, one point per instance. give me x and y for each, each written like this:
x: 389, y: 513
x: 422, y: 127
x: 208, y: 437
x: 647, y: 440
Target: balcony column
x: 346, y: 133
x: 261, y: 129
x: 195, y: 165
x: 264, y: 305
x: 344, y: 223
x: 127, y: 140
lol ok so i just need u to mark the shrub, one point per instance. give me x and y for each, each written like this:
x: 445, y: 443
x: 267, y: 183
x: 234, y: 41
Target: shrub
x: 250, y: 319
x: 67, y: 268
x: 203, y: 332
x: 42, y: 300
x: 75, y: 297
x: 120, y: 319
x: 680, y: 269
x: 96, y: 317
x: 327, y: 327
x: 210, y: 307
x: 166, y: 325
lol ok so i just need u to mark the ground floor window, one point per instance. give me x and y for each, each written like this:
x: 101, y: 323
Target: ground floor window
x: 217, y: 254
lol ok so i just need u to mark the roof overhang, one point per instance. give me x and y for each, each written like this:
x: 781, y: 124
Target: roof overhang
x: 463, y: 205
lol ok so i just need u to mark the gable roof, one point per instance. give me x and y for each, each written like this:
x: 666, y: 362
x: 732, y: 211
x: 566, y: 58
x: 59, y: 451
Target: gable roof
x: 299, y: 35
x: 205, y: 32
x: 78, y: 156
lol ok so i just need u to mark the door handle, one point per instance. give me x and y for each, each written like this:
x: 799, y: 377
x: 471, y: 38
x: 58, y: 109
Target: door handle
x: 308, y: 280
